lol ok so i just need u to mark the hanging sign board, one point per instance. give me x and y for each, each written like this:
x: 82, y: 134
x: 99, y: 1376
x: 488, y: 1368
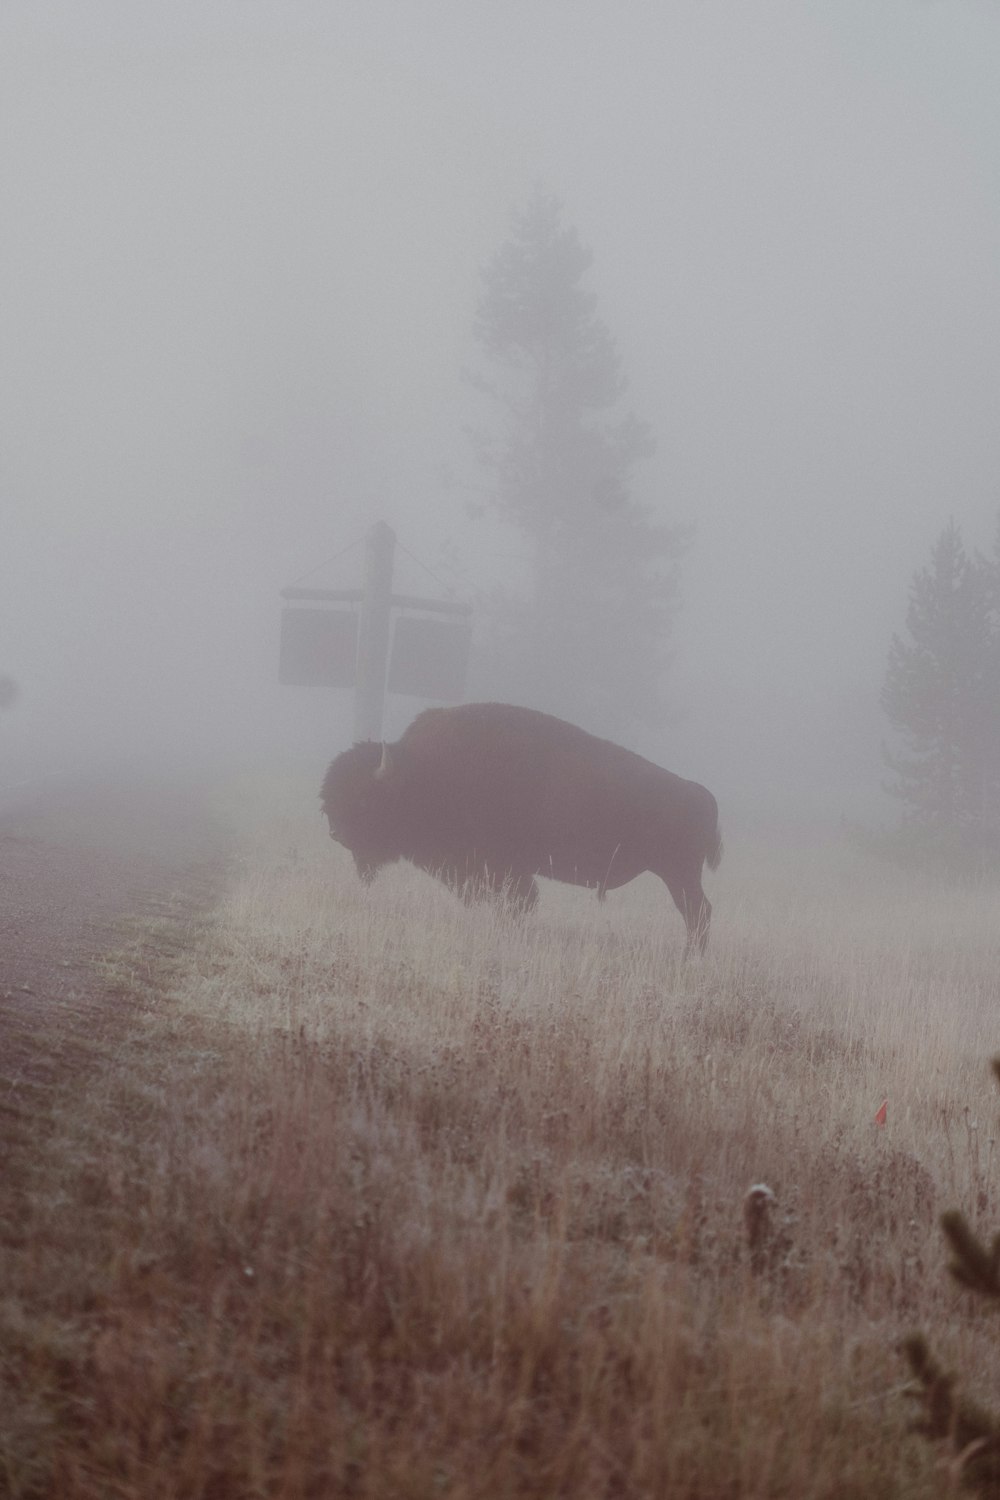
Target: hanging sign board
x: 319, y: 648
x: 429, y: 658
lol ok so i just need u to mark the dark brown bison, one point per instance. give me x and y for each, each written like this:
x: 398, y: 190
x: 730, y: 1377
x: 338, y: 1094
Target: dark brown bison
x: 487, y: 796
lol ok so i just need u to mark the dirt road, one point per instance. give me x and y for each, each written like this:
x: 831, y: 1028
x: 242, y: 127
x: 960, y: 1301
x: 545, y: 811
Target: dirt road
x: 75, y: 862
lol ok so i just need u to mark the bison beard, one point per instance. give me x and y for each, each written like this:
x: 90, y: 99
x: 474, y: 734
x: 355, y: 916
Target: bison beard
x: 486, y: 796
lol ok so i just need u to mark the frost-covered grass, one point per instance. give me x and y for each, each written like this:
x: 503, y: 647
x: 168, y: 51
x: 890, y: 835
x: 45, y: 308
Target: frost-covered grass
x: 386, y: 1197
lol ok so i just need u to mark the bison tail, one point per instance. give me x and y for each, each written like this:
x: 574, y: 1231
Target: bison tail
x: 714, y: 856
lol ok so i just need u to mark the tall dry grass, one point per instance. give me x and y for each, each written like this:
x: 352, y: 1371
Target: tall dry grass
x: 380, y: 1196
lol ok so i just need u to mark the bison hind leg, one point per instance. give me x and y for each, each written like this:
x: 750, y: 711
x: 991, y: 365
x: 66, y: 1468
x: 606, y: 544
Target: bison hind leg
x: 693, y: 905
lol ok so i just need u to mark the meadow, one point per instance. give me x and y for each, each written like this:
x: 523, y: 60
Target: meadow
x: 368, y: 1194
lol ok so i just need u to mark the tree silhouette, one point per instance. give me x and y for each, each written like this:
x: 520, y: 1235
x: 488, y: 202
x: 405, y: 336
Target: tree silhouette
x: 589, y: 636
x: 947, y: 1415
x: 940, y: 695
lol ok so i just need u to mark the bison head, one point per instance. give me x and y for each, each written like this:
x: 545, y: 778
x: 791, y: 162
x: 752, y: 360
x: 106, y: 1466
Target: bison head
x: 360, y: 799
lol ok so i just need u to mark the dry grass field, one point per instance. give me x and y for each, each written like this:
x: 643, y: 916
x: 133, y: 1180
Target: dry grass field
x: 377, y: 1196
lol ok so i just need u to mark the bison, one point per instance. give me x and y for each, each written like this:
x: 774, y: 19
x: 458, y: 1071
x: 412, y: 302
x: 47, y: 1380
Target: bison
x: 486, y: 796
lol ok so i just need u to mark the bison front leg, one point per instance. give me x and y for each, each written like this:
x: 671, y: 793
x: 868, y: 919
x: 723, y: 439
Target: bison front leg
x: 458, y: 881
x: 520, y: 891
x: 366, y: 868
x: 516, y: 889
x: 483, y: 883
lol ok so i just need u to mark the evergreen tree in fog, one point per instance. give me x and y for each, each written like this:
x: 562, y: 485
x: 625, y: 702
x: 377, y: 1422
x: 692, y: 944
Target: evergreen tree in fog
x: 589, y: 639
x: 941, y: 696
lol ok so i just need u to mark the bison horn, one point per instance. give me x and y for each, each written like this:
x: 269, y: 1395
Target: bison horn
x: 385, y: 764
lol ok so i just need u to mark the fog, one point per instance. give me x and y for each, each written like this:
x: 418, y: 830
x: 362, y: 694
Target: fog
x: 240, y: 259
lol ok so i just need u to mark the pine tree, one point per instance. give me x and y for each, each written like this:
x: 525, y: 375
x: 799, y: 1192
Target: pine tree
x: 590, y: 638
x: 937, y: 695
x: 948, y: 1415
x: 989, y: 568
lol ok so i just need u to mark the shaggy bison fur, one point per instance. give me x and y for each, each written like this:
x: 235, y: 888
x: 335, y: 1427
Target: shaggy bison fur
x: 486, y: 796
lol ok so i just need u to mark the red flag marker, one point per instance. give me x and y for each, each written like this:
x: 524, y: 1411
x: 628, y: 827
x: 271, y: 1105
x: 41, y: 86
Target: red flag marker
x: 880, y: 1113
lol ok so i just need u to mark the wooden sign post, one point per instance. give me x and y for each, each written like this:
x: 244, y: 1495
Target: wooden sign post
x: 344, y: 648
x: 373, y: 632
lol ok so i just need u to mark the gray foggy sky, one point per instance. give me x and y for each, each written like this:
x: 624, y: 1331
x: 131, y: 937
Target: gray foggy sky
x: 240, y: 259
